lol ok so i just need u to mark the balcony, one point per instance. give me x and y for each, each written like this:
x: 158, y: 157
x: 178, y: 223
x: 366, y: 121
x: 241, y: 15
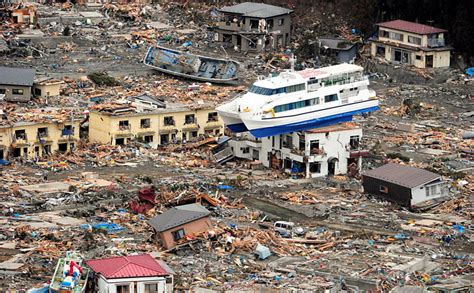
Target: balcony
x: 228, y: 25
x: 43, y: 137
x: 436, y: 43
x: 20, y: 139
x: 124, y: 129
x: 211, y: 124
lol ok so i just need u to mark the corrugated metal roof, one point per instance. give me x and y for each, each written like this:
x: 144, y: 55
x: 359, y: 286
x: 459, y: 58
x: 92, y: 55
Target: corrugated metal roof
x: 178, y: 216
x: 133, y: 266
x: 16, y: 76
x: 411, y: 27
x: 402, y: 175
x: 258, y: 10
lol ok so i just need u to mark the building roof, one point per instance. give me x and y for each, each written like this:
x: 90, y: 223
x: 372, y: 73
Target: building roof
x: 133, y: 266
x: 178, y: 216
x: 336, y: 44
x: 258, y: 10
x: 402, y: 175
x: 16, y: 76
x: 411, y: 27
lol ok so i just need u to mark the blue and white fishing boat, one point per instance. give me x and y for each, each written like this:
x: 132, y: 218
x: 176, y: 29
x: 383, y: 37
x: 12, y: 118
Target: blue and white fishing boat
x: 192, y: 66
x: 300, y: 100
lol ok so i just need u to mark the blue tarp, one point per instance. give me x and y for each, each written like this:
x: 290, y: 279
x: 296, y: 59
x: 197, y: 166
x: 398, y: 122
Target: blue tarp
x: 110, y: 227
x: 470, y: 71
x: 4, y: 162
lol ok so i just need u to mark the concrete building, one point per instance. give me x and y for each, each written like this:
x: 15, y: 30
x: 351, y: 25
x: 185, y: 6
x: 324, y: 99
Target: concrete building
x: 255, y: 26
x: 312, y: 153
x: 173, y: 225
x: 408, y: 186
x: 134, y: 274
x: 157, y: 127
x: 16, y: 83
x: 37, y: 139
x: 411, y: 43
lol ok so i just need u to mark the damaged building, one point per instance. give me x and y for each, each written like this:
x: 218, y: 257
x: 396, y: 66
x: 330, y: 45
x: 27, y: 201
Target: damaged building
x: 318, y: 152
x: 16, y: 84
x: 254, y: 26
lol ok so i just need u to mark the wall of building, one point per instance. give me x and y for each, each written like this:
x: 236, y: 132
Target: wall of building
x: 396, y: 193
x: 9, y: 96
x: 105, y: 129
x: 47, y: 90
x: 196, y: 226
x: 110, y: 285
x: 32, y: 146
x: 436, y: 190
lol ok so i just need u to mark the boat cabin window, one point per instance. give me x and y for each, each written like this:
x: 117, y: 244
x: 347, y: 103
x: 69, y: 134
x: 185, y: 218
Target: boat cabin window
x: 330, y: 98
x: 261, y: 90
x: 296, y: 105
x: 268, y: 92
x: 312, y: 80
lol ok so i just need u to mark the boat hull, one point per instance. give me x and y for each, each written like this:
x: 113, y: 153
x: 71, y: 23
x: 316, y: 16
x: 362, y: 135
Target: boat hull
x: 280, y: 125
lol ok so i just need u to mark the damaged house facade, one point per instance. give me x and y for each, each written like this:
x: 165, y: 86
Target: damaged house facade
x: 312, y: 153
x: 411, y: 43
x: 254, y: 26
x: 38, y: 139
x: 16, y: 84
x: 406, y: 185
x: 157, y: 127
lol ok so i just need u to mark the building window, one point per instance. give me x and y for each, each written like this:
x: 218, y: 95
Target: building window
x: 419, y: 57
x: 148, y: 138
x: 254, y: 24
x: 314, y: 146
x: 122, y: 288
x: 194, y: 134
x: 124, y: 125
x: 145, y: 123
x: 67, y: 130
x: 273, y: 141
x: 288, y: 141
x: 62, y: 147
x: 164, y: 138
x: 178, y: 234
x: 2, y: 91
x: 281, y: 21
x: 245, y: 150
x: 17, y: 91
x: 315, y: 167
x: 414, y: 40
x: 189, y: 119
x: 212, y: 117
x: 396, y: 36
x: 354, y: 142
x: 312, y: 80
x: 302, y: 143
x: 330, y: 98
x: 20, y: 134
x: 380, y: 51
x: 270, y: 24
x: 169, y: 121
x: 119, y: 141
x: 287, y: 163
x: 384, y: 34
x: 151, y: 288
x: 42, y: 132
x: 383, y: 189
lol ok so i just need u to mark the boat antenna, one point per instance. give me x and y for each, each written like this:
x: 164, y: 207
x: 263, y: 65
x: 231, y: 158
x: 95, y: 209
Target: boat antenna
x: 226, y: 55
x: 292, y: 62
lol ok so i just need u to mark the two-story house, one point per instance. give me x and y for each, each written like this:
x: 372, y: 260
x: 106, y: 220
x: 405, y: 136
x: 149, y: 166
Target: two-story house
x: 411, y: 43
x: 254, y: 26
x: 318, y: 152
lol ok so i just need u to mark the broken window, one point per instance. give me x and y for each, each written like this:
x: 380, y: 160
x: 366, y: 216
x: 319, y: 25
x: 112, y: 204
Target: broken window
x: 62, y: 147
x: 354, y: 142
x: 384, y: 33
x: 287, y: 163
x: 226, y: 38
x: 288, y: 141
x: 194, y: 134
x: 253, y: 23
x: 169, y: 121
x: 270, y: 23
x: 145, y: 123
x: 380, y: 51
x: 212, y: 116
x: 42, y: 132
x: 17, y: 91
x: 315, y: 167
x: 189, y: 119
x: 124, y: 125
x: 253, y: 43
x: 178, y: 234
x: 20, y: 134
x: 16, y: 152
x: 46, y: 150
x: 314, y: 147
x: 164, y: 138
x: 383, y: 189
x: 302, y: 142
x: 245, y: 150
x: 281, y: 21
x: 2, y: 91
x: 67, y: 130
x: 71, y: 146
x: 37, y: 92
x: 419, y: 57
x: 148, y: 138
x: 119, y: 141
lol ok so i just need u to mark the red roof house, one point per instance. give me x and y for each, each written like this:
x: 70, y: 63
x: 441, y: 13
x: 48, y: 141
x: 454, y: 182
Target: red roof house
x: 411, y: 27
x: 120, y: 274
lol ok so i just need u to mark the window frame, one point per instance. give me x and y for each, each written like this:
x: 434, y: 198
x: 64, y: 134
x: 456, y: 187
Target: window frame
x: 18, y: 92
x: 178, y: 232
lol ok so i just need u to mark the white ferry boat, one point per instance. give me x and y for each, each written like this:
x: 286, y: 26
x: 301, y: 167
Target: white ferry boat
x: 300, y: 100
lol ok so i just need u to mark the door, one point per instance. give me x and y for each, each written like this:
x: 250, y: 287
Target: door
x: 332, y: 165
x: 429, y: 61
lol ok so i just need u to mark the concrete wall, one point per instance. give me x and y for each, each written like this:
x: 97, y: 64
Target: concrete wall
x: 436, y: 190
x: 197, y: 226
x: 105, y: 129
x: 47, y: 90
x: 9, y: 96
x: 33, y: 147
x: 110, y: 285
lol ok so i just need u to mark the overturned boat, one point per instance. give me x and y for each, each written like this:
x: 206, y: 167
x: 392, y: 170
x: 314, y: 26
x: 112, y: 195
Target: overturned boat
x: 191, y: 66
x: 70, y: 276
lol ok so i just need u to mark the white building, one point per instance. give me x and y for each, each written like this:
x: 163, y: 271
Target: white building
x: 131, y: 274
x: 312, y: 153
